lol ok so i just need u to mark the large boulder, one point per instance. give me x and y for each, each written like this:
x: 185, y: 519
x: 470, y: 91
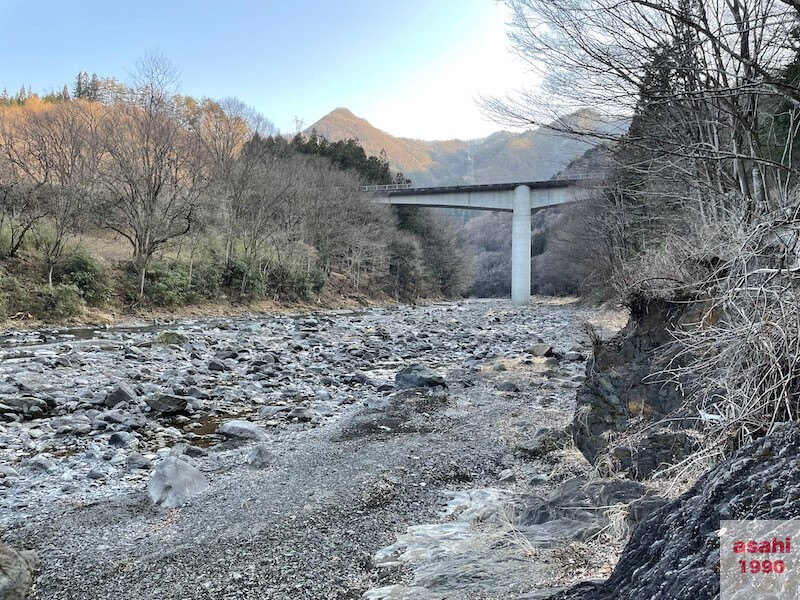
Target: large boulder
x: 674, y: 551
x: 16, y: 572
x: 418, y: 375
x: 120, y: 393
x: 28, y: 407
x: 171, y: 338
x: 576, y: 511
x: 239, y: 428
x: 166, y: 404
x: 174, y: 482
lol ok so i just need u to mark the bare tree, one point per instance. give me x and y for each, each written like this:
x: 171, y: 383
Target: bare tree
x: 702, y: 204
x: 21, y: 181
x: 152, y: 174
x: 345, y: 226
x: 223, y: 130
x: 708, y: 74
x: 62, y: 150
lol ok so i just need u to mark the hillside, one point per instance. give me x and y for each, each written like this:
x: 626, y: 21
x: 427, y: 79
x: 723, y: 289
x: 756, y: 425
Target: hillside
x: 502, y: 156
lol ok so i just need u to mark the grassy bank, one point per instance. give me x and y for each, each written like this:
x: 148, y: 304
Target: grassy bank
x: 97, y: 284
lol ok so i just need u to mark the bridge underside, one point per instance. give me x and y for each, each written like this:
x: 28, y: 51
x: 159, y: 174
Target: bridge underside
x: 518, y: 198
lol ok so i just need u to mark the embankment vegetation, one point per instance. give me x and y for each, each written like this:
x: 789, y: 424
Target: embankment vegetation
x: 700, y: 206
x: 135, y: 195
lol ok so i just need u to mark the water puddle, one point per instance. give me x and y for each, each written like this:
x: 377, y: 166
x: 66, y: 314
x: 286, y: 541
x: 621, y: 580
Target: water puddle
x: 202, y: 432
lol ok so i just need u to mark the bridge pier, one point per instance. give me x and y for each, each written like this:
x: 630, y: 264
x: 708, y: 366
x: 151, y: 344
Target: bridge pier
x: 520, y: 198
x: 521, y: 247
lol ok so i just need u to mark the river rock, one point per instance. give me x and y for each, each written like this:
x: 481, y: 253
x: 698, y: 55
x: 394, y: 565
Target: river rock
x: 242, y: 429
x: 195, y: 392
x: 16, y: 572
x: 27, y: 406
x: 216, y: 364
x: 540, y: 350
x: 171, y: 338
x: 507, y: 386
x: 166, y: 404
x: 174, y: 482
x: 137, y: 461
x: 120, y: 393
x: 42, y: 463
x: 260, y: 457
x: 302, y: 414
x: 122, y: 439
x: 418, y: 375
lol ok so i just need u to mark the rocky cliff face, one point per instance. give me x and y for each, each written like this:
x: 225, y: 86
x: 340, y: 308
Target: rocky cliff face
x: 624, y: 399
x: 674, y: 552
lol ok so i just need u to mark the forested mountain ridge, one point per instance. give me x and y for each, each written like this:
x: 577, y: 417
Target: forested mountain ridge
x: 531, y: 155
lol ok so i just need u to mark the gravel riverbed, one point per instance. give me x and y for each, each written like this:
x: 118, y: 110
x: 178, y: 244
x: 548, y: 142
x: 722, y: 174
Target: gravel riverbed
x: 336, y: 485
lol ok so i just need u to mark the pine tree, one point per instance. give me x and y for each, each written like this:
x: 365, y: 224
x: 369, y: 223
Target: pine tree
x: 78, y: 88
x: 81, y: 86
x: 93, y: 89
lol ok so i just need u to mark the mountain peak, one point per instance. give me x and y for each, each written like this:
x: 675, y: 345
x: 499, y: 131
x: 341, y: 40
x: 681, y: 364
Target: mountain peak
x: 503, y: 156
x: 341, y: 111
x: 341, y: 123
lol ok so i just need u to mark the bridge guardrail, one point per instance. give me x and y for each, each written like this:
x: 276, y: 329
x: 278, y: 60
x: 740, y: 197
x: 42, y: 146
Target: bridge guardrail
x: 580, y: 177
x: 408, y: 186
x: 385, y: 188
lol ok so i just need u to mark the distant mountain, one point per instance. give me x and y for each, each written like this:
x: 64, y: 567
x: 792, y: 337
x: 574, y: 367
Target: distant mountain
x: 504, y: 156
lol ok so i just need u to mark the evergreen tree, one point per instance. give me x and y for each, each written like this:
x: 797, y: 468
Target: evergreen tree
x: 81, y: 86
x: 77, y: 89
x: 347, y: 155
x: 93, y: 88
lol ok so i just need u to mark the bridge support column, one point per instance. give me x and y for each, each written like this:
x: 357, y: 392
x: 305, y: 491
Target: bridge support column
x: 521, y: 247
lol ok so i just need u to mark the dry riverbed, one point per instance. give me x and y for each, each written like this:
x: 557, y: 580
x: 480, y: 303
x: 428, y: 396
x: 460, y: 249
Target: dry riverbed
x: 343, y: 486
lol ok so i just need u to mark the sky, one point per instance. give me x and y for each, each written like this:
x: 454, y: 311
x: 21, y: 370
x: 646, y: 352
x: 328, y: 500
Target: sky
x: 413, y: 68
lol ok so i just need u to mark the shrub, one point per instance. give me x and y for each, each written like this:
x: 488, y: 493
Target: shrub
x: 85, y: 273
x: 46, y: 303
x: 206, y: 280
x: 167, y: 285
x: 61, y: 300
x: 243, y: 278
x: 173, y: 283
x: 293, y: 284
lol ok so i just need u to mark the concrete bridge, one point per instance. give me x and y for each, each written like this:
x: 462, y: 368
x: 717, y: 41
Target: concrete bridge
x: 521, y: 199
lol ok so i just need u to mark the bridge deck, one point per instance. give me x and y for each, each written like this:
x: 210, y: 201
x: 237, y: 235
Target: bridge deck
x: 521, y: 198
x: 488, y: 187
x: 406, y: 189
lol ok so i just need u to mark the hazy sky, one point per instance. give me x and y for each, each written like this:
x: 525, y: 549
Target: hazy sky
x: 411, y: 67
